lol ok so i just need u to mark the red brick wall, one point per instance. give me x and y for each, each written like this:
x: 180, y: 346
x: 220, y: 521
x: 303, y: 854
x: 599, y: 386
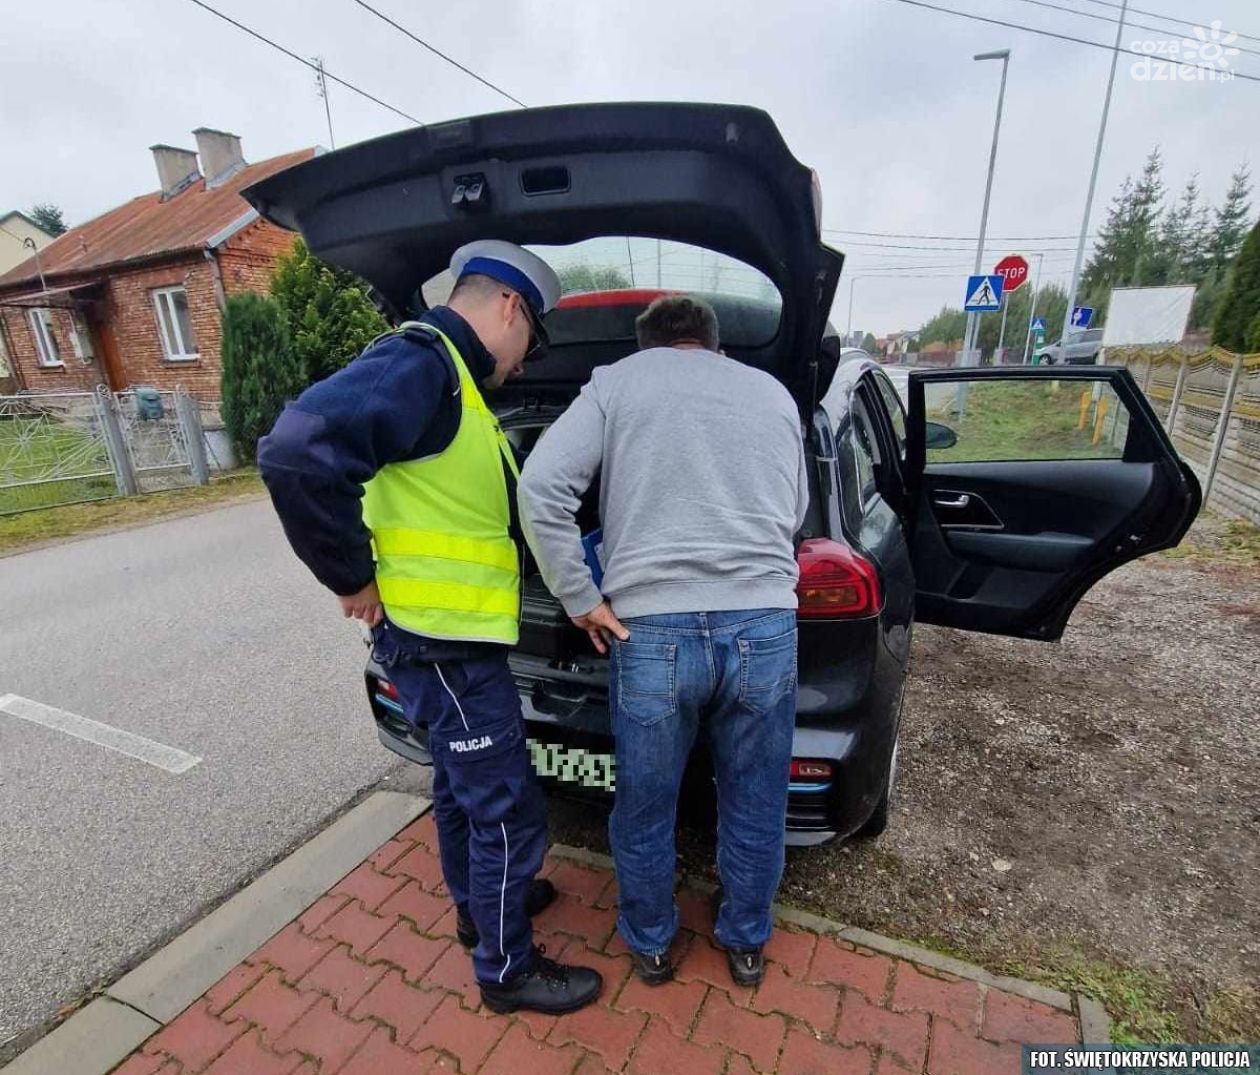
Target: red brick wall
x: 246, y: 260
x: 72, y: 376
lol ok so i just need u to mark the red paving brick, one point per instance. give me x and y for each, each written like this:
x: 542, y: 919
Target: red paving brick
x: 327, y: 1036
x: 835, y: 963
x: 320, y: 911
x: 422, y: 831
x: 367, y: 886
x: 793, y: 949
x: 461, y: 1033
x: 345, y: 991
x: 412, y: 902
x: 601, y: 1030
x: 956, y: 1052
x: 248, y: 1056
x: 356, y: 927
x: 517, y: 1052
x: 399, y: 1005
x: 577, y: 881
x: 380, y: 1056
x: 677, y: 1003
x: 806, y: 1055
x: 195, y: 1037
x: 758, y: 1037
x: 660, y: 1052
x: 341, y: 977
x: 695, y: 911
x: 271, y: 1005
x: 903, y: 1034
x: 420, y: 864
x: 228, y: 988
x: 411, y: 952
x: 815, y: 1005
x: 1010, y: 1018
x: 292, y: 951
x: 955, y: 1000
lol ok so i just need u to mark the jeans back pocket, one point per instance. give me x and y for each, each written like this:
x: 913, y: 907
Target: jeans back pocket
x: 767, y: 670
x: 643, y: 677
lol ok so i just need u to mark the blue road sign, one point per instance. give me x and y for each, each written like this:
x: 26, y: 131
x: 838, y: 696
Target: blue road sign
x: 1039, y: 324
x: 984, y: 294
x: 1082, y: 316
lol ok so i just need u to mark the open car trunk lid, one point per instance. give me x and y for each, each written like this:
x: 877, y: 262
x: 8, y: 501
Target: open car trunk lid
x: 720, y: 177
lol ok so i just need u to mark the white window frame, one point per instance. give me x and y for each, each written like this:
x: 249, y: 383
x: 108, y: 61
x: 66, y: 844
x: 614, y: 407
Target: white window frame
x: 81, y: 337
x: 47, y: 350
x: 162, y: 297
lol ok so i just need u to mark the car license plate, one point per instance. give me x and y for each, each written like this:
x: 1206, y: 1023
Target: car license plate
x: 573, y: 765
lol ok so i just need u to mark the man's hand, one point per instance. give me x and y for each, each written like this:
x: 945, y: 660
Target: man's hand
x: 601, y: 625
x: 364, y: 605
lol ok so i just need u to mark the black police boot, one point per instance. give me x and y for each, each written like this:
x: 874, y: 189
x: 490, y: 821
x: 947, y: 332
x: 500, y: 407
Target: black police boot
x: 747, y: 965
x: 547, y: 986
x: 654, y: 970
x: 539, y: 895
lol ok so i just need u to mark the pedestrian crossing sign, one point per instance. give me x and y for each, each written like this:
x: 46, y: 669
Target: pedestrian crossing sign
x: 984, y: 294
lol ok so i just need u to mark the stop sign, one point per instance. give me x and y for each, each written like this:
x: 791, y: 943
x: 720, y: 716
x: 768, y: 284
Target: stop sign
x: 1014, y: 270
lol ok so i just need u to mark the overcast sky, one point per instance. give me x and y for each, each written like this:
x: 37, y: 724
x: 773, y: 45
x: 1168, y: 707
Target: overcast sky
x: 883, y: 99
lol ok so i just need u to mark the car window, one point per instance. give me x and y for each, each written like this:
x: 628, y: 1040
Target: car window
x: 1009, y: 420
x: 865, y: 451
x: 896, y: 415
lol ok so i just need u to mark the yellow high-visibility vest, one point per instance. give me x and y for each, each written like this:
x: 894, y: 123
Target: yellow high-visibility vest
x: 446, y: 566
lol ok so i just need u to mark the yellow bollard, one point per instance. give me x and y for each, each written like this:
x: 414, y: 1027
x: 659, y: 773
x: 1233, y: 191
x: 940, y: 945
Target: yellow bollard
x: 1085, y: 396
x: 1098, y: 422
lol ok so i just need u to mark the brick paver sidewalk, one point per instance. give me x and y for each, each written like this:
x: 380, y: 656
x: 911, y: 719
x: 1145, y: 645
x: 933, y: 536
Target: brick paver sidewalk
x: 371, y: 981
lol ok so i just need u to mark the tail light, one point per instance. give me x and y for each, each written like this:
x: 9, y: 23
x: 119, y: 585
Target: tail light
x: 835, y: 582
x: 388, y: 689
x: 810, y: 770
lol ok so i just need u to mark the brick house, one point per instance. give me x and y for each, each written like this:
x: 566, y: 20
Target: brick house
x: 135, y: 296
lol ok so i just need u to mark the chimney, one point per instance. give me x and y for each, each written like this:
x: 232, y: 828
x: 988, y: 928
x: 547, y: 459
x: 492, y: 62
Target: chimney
x: 176, y: 168
x: 220, y: 153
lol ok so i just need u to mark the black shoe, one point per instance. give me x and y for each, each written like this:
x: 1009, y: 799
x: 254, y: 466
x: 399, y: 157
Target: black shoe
x: 548, y: 987
x: 747, y: 965
x: 654, y: 970
x: 539, y: 895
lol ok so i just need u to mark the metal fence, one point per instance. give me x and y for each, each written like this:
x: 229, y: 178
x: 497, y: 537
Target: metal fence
x: 66, y: 448
x: 1209, y: 402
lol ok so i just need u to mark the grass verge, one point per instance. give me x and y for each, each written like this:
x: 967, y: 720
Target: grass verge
x: 44, y: 525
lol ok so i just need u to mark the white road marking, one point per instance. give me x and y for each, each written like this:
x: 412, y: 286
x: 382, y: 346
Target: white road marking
x: 171, y: 759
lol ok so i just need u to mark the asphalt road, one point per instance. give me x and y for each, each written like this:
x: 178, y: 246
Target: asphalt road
x: 202, y: 633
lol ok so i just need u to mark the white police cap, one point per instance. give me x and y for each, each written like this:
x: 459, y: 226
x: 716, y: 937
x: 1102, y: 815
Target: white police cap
x: 525, y: 273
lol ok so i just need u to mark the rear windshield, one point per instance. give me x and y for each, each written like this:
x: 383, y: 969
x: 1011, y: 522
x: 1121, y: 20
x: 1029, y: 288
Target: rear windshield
x: 607, y: 282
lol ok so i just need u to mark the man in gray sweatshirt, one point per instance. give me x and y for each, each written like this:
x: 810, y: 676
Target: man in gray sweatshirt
x: 702, y: 488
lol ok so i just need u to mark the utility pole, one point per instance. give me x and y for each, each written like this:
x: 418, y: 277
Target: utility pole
x: 321, y: 87
x: 1032, y: 310
x: 972, y: 320
x: 1093, y: 181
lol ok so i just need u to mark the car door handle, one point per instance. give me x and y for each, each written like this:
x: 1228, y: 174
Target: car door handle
x: 963, y: 501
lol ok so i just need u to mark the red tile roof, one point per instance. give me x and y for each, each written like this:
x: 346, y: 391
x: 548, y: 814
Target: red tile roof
x: 147, y: 226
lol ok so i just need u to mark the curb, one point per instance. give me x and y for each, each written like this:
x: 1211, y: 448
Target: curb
x: 101, y: 1035
x: 1095, y: 1026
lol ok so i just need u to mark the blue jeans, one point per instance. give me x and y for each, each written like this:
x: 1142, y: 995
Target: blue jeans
x: 736, y: 672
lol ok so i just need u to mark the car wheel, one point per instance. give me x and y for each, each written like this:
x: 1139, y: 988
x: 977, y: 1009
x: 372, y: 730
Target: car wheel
x: 878, y: 821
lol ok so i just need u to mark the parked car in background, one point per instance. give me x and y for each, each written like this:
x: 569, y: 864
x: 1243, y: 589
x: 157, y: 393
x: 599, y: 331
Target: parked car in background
x: 1000, y: 524
x: 1083, y: 348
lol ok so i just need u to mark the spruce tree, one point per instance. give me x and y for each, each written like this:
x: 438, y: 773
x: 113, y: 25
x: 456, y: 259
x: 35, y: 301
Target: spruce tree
x: 1236, y: 317
x: 1231, y: 220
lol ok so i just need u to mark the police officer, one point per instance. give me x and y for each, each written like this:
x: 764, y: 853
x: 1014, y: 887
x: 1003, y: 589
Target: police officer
x: 394, y: 483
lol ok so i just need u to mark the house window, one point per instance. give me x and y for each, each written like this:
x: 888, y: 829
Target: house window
x: 81, y: 337
x: 41, y: 322
x: 174, y: 324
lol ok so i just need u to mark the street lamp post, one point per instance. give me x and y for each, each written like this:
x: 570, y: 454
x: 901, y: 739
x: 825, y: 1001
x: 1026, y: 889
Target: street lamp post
x: 972, y: 320
x: 1093, y: 181
x: 848, y: 329
x: 1032, y: 310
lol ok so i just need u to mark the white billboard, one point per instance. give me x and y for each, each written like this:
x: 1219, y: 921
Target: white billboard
x: 1147, y: 315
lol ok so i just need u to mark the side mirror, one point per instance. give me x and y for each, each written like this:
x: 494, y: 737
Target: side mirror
x: 939, y: 436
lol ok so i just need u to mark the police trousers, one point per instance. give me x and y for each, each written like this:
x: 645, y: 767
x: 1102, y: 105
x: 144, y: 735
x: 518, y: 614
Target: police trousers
x: 490, y: 813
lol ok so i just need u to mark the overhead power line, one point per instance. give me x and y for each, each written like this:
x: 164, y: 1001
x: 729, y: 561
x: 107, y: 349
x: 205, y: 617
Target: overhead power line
x: 947, y: 249
x: 305, y: 62
x: 1049, y: 33
x: 1127, y: 22
x: 438, y: 52
x: 953, y: 238
x: 1160, y: 15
